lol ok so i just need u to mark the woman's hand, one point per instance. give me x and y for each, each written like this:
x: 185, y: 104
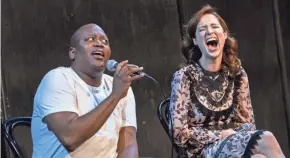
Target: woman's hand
x: 227, y: 132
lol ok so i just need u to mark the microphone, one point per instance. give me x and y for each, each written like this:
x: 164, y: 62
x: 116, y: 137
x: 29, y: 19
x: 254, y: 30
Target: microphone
x: 112, y: 65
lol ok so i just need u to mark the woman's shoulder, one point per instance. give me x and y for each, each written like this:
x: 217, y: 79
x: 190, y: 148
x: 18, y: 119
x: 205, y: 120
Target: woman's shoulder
x: 241, y: 76
x: 242, y: 72
x: 190, y: 68
x: 185, y: 73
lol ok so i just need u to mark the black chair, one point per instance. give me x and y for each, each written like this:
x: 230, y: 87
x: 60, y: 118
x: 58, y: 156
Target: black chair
x: 163, y: 115
x: 8, y: 130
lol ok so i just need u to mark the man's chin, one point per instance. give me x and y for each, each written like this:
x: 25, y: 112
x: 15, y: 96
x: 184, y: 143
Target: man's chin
x: 99, y: 67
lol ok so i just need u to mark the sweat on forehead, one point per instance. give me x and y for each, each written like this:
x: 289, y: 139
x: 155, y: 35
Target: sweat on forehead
x: 85, y: 29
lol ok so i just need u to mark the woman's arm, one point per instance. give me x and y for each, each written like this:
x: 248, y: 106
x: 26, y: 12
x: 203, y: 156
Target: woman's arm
x: 243, y: 112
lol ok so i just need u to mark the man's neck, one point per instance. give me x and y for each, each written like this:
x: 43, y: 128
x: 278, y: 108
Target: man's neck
x: 93, y: 79
x: 212, y: 65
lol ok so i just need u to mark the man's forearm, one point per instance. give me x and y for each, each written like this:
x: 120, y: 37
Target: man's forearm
x: 83, y: 127
x: 130, y: 151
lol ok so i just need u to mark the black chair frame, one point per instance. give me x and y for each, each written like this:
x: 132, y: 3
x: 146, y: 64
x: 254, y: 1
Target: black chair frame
x: 163, y: 115
x: 8, y: 130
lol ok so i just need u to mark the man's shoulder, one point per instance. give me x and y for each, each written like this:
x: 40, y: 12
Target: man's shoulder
x: 59, y: 70
x: 56, y: 76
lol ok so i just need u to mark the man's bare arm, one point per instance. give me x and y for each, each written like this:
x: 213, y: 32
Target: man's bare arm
x: 72, y: 130
x: 127, y: 144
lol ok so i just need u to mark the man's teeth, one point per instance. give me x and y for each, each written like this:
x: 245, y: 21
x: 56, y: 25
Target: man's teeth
x: 98, y: 53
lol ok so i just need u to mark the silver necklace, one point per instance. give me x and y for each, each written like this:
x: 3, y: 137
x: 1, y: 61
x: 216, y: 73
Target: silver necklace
x: 104, y: 87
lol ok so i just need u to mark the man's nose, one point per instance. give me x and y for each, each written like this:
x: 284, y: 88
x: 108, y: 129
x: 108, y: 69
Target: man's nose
x: 98, y: 43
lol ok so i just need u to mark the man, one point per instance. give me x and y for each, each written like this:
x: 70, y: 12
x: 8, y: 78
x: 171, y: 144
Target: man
x: 81, y: 112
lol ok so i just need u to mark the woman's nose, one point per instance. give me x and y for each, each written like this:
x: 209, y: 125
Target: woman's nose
x: 209, y: 30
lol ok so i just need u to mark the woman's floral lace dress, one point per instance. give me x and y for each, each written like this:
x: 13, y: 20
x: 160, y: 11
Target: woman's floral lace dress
x: 202, y: 104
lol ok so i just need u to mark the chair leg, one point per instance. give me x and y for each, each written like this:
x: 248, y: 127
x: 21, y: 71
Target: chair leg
x: 5, y: 152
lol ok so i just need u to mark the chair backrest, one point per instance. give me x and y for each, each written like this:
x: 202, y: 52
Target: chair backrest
x: 163, y: 114
x: 8, y: 130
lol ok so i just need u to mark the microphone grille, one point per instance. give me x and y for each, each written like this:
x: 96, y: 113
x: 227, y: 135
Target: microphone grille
x: 111, y: 65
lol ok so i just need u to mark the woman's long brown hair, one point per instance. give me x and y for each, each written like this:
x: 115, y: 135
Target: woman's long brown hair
x: 192, y: 53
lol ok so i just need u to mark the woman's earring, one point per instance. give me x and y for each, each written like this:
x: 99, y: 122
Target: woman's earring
x: 194, y: 42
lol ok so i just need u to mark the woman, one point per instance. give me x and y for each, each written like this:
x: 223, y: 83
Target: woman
x: 210, y: 104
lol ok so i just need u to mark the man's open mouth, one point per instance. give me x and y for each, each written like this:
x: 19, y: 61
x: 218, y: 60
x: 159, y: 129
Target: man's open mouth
x: 98, y: 54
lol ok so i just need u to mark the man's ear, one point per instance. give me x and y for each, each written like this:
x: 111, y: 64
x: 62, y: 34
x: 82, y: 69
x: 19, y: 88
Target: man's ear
x: 72, y: 53
x: 194, y: 41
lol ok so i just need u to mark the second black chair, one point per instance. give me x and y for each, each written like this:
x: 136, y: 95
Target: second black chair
x: 8, y: 130
x: 163, y: 115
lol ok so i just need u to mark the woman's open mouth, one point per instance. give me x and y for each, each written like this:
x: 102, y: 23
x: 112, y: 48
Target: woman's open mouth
x: 212, y: 44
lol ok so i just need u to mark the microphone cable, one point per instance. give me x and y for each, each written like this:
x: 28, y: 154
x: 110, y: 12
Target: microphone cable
x: 111, y: 66
x: 171, y: 121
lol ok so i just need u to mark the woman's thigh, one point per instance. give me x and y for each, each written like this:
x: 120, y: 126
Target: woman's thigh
x: 233, y: 146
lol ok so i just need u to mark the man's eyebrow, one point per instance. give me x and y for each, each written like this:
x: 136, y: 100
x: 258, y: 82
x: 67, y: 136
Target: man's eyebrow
x: 94, y: 34
x: 90, y: 35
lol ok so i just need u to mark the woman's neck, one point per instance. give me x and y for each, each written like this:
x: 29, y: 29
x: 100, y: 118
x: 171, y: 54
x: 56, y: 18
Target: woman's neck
x: 209, y: 64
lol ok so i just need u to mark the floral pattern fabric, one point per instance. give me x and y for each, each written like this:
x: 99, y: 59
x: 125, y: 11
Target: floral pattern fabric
x: 203, y: 104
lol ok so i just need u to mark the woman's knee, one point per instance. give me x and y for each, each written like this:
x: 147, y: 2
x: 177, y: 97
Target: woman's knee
x: 268, y: 144
x: 269, y: 136
x: 268, y: 140
x: 258, y: 156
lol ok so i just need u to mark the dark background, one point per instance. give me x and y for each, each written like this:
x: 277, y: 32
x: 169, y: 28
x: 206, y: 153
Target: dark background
x: 35, y: 35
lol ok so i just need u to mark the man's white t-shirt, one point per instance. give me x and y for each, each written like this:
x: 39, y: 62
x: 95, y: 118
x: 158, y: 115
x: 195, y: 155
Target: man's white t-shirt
x: 62, y: 90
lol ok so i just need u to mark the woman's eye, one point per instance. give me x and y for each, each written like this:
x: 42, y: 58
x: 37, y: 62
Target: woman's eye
x: 201, y: 29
